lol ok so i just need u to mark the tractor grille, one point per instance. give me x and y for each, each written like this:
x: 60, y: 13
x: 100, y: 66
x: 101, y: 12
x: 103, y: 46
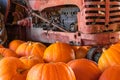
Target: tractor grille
x: 115, y: 12
x: 101, y: 14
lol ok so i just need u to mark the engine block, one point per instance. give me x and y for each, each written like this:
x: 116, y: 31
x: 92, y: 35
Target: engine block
x: 64, y: 16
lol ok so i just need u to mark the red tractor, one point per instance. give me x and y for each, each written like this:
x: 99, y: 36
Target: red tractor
x: 76, y: 22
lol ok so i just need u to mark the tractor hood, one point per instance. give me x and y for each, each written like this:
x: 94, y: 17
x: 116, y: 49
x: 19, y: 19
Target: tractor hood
x: 41, y: 4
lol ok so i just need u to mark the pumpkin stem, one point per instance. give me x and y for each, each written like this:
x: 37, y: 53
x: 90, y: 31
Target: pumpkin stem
x: 30, y: 43
x: 104, y: 49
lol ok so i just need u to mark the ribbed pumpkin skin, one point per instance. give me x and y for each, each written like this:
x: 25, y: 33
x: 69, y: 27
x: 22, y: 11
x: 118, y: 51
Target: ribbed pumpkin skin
x: 13, y: 45
x: 59, y: 52
x: 30, y: 61
x: 6, y: 52
x: 85, y: 69
x: 10, y: 69
x: 110, y: 57
x: 51, y: 71
x: 111, y: 73
x: 31, y: 48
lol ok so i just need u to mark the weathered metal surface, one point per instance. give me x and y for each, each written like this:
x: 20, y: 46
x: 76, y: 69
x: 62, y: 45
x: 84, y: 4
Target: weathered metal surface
x: 97, y: 21
x: 38, y: 34
x: 42, y: 4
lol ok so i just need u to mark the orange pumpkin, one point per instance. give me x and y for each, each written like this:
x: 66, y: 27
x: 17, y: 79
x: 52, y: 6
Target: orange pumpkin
x: 77, y: 47
x: 13, y: 45
x: 111, y: 73
x: 109, y: 57
x: 11, y: 68
x: 31, y: 48
x: 51, y: 71
x: 59, y: 52
x: 6, y: 52
x: 85, y: 69
x: 30, y: 61
x: 81, y: 53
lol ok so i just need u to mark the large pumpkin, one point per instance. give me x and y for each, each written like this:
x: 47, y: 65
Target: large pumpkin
x: 51, y: 71
x: 6, y: 52
x: 59, y: 52
x: 31, y: 48
x: 30, y: 61
x: 11, y: 68
x: 109, y: 57
x: 85, y: 69
x: 111, y: 73
x: 13, y: 45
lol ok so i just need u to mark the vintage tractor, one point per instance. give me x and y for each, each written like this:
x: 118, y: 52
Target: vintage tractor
x: 77, y: 22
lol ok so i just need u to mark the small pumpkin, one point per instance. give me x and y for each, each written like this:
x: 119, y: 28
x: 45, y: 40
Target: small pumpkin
x: 11, y: 68
x: 6, y: 52
x: 111, y: 73
x: 81, y: 53
x: 31, y: 48
x: 85, y: 69
x: 51, y: 71
x: 59, y: 52
x: 13, y: 45
x: 75, y: 48
x: 30, y: 61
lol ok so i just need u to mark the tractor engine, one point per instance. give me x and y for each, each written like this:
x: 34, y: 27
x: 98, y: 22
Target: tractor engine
x: 63, y: 16
x: 77, y: 22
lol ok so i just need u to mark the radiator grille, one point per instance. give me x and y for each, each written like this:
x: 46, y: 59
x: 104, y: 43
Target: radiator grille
x: 102, y: 12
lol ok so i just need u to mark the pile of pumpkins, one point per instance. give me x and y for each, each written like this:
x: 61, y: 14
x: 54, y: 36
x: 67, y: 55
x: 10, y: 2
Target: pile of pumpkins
x: 29, y: 60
